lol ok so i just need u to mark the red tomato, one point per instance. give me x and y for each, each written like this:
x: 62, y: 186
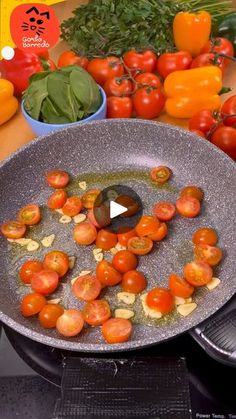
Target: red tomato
x: 45, y: 282
x: 70, y: 323
x: 49, y: 314
x: 70, y: 58
x: 32, y: 304
x: 160, y: 299
x: 134, y: 281
x: 210, y: 254
x: 198, y: 132
x: 148, y: 79
x: 140, y: 245
x: 179, y: 287
x: 28, y: 269
x: 72, y: 206
x: 160, y: 174
x: 148, y: 224
x: 29, y: 215
x: 87, y: 287
x: 205, y: 235
x: 198, y: 273
x: 148, y: 102
x: 102, y: 69
x: 13, y: 229
x: 85, y: 233
x: 125, y: 233
x: 96, y: 312
x: 129, y: 203
x: 99, y: 216
x: 229, y: 108
x: 119, y: 107
x: 164, y: 211
x: 207, y: 59
x: 116, y: 330
x: 89, y: 198
x: 124, y: 261
x: 118, y: 87
x: 202, y: 121
x: 106, y: 239
x: 188, y: 207
x: 173, y: 61
x: 225, y: 139
x: 220, y: 46
x: 107, y: 274
x: 160, y: 234
x: 193, y: 191
x: 57, y: 261
x: 57, y: 200
x: 58, y: 179
x: 140, y: 62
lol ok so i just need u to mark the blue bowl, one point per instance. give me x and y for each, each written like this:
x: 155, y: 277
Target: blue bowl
x: 41, y: 128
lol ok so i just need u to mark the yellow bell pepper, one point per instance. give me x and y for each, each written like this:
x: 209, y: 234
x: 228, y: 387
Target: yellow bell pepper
x: 191, y: 31
x: 8, y: 103
x: 191, y: 90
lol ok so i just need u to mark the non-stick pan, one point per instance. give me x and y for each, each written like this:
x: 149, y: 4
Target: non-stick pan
x: 121, y: 146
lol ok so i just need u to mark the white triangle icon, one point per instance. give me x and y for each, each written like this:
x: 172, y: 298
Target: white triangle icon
x: 116, y: 209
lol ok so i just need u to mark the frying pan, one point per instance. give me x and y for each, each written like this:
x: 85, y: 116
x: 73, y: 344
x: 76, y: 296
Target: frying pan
x: 118, y: 146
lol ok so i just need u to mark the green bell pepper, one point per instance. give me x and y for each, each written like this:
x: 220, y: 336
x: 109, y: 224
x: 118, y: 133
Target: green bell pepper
x: 226, y: 28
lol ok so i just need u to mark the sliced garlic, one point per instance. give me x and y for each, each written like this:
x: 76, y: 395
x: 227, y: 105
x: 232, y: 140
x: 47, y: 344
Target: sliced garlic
x: 124, y: 313
x: 97, y: 250
x: 73, y: 280
x: 113, y: 250
x: 83, y: 273
x: 112, y: 194
x: 32, y: 246
x: 72, y: 260
x: 22, y: 242
x: 120, y: 247
x: 149, y: 312
x: 179, y: 301
x: 99, y: 257
x: 59, y: 211
x: 188, y: 300
x: 79, y: 218
x: 54, y: 301
x: 65, y: 219
x: 186, y: 309
x: 83, y: 185
x: 213, y: 283
x: 126, y: 297
x: 10, y: 240
x: 48, y: 240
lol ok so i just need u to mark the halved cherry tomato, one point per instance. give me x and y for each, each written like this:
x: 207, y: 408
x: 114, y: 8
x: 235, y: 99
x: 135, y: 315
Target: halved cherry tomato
x: 70, y: 58
x: 140, y: 245
x: 160, y: 174
x: 87, y: 287
x: 116, y: 330
x: 160, y: 299
x: 119, y: 107
x: 28, y: 269
x: 85, y: 233
x: 140, y: 61
x: 124, y: 261
x: 173, y: 61
x: 118, y: 87
x: 96, y: 312
x: 193, y: 191
x: 49, y: 314
x: 160, y: 233
x: 148, y: 224
x: 205, y: 235
x: 106, y: 239
x: 57, y: 261
x: 29, y: 215
x: 102, y: 69
x: 124, y: 234
x: 198, y: 273
x: 32, y: 304
x: 208, y: 254
x: 107, y: 274
x: 203, y: 120
x: 188, y: 207
x: 134, y: 281
x: 164, y: 211
x: 45, y: 281
x: 219, y: 45
x: 128, y: 202
x: 148, y: 79
x: 70, y: 323
x: 72, y: 206
x: 89, y: 198
x: 148, y: 102
x: 179, y: 287
x: 57, y: 200
x: 13, y: 229
x: 58, y: 179
x: 99, y: 216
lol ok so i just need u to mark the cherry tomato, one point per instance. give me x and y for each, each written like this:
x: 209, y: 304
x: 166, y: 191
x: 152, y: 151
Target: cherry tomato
x: 107, y: 274
x: 220, y: 45
x: 13, y: 229
x: 207, y: 59
x: 124, y: 261
x: 116, y: 330
x: 179, y: 287
x: 198, y: 273
x: 229, y: 108
x: 188, y: 207
x: 89, y: 198
x: 160, y: 174
x: 160, y: 233
x: 148, y: 79
x: 140, y: 245
x: 203, y: 121
x: 124, y: 234
x: 85, y: 233
x: 148, y: 102
x: 96, y: 312
x: 102, y: 69
x: 140, y: 62
x: 148, y: 224
x: 28, y: 269
x: 210, y: 254
x: 58, y: 199
x: 70, y: 323
x: 225, y: 139
x: 87, y: 287
x: 72, y: 206
x: 70, y: 58
x: 32, y: 304
x: 134, y: 281
x: 99, y: 216
x: 58, y: 179
x: 118, y: 87
x: 29, y: 215
x: 129, y: 203
x: 119, y: 107
x: 164, y: 211
x: 198, y: 132
x: 193, y: 191
x: 49, y: 314
x: 44, y: 282
x: 173, y: 61
x: 57, y: 261
x: 106, y: 239
x: 205, y: 235
x: 160, y: 299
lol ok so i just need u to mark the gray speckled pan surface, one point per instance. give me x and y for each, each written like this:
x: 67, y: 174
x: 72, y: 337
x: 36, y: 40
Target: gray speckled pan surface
x: 113, y: 145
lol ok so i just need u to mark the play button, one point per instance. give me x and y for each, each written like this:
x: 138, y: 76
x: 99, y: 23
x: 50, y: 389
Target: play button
x: 116, y: 209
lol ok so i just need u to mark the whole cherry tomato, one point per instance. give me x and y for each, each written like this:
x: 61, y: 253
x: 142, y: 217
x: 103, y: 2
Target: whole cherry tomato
x: 225, y: 139
x: 119, y: 107
x: 70, y: 58
x: 208, y: 58
x: 102, y: 69
x: 118, y: 87
x: 140, y: 61
x: 198, y: 132
x: 148, y: 79
x: 220, y: 46
x: 229, y: 108
x: 148, y: 102
x: 169, y: 62
x: 202, y: 121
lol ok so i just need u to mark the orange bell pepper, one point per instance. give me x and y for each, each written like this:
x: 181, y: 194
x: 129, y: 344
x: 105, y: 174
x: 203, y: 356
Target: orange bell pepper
x: 8, y: 103
x: 191, y: 31
x: 191, y: 90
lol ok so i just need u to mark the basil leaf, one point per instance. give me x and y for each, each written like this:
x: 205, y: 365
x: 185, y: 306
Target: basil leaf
x: 39, y: 76
x: 34, y: 97
x: 51, y: 115
x: 60, y: 93
x: 85, y: 89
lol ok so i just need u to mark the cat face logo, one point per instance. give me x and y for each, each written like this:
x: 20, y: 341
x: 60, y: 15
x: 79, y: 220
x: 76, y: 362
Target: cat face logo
x: 36, y: 20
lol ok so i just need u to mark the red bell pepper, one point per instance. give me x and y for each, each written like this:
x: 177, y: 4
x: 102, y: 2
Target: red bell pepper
x: 22, y: 66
